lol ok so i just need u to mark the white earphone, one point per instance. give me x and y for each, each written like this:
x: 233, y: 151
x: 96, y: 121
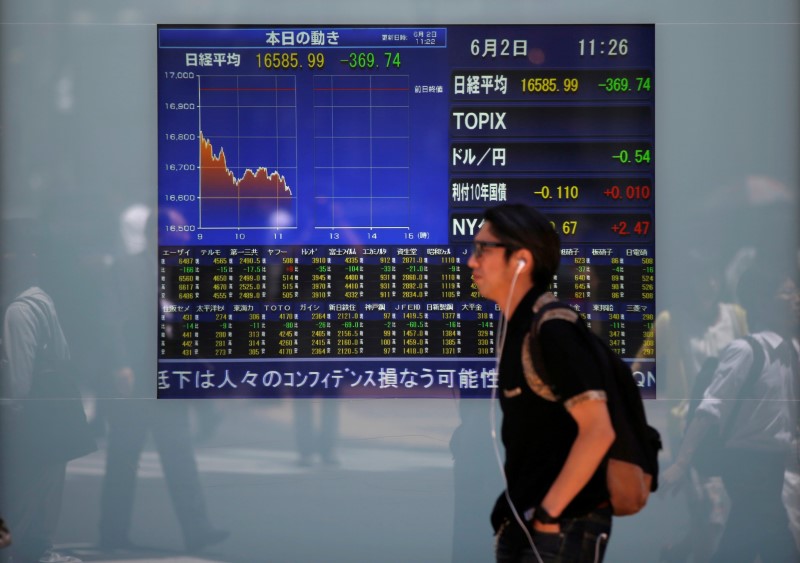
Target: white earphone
x: 521, y: 265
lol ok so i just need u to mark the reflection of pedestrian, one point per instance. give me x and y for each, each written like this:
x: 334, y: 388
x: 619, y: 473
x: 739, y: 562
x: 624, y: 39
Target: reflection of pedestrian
x: 316, y: 437
x: 475, y: 480
x: 556, y: 426
x: 44, y: 424
x: 754, y: 412
x: 791, y: 488
x: 315, y: 412
x: 135, y: 414
x: 689, y: 335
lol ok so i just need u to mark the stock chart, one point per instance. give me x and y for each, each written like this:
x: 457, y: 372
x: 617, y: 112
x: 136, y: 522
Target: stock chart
x: 319, y: 187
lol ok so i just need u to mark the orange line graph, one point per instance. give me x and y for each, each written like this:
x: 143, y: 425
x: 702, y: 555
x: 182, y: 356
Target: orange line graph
x: 217, y: 180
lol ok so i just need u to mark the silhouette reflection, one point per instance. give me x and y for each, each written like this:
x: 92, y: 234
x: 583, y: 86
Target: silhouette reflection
x: 690, y: 335
x: 43, y: 422
x: 751, y: 404
x: 133, y: 414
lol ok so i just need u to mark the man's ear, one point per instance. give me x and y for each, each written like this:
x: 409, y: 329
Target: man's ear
x: 523, y: 259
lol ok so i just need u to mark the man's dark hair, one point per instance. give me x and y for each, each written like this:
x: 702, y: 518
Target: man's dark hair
x: 522, y: 226
x: 757, y: 288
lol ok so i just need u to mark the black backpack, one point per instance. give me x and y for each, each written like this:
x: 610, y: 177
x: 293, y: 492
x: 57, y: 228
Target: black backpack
x: 632, y: 470
x: 50, y: 424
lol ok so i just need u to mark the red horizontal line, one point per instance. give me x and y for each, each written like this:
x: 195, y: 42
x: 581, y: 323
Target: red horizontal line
x: 364, y: 89
x: 249, y: 89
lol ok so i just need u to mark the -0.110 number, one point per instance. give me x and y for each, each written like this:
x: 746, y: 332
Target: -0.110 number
x: 561, y: 192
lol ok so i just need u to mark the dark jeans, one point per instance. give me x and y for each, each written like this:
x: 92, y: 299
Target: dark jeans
x: 581, y: 540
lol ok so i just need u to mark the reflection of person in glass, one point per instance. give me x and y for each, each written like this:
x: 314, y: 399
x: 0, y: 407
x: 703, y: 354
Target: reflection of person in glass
x: 556, y: 426
x: 43, y: 424
x: 699, y: 326
x: 315, y: 412
x: 135, y: 413
x: 754, y: 410
x: 475, y: 480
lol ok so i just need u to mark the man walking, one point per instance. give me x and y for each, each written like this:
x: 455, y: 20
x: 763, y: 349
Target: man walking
x: 556, y: 427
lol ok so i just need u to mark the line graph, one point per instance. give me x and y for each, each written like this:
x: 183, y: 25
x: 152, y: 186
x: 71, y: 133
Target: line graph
x: 247, y: 152
x: 361, y: 151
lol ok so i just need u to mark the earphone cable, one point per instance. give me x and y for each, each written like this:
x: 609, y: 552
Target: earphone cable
x: 500, y: 341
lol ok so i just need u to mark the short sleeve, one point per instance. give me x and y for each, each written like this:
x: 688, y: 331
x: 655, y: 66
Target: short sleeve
x: 734, y: 366
x: 570, y: 366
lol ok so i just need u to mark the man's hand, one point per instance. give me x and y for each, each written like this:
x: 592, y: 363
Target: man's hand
x: 595, y: 435
x: 545, y: 528
x: 674, y: 476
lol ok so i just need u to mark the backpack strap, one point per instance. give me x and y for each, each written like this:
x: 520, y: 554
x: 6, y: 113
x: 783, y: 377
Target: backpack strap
x: 546, y: 307
x: 759, y: 362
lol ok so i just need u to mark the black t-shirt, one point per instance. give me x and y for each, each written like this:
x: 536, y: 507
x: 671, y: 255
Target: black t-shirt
x: 537, y: 430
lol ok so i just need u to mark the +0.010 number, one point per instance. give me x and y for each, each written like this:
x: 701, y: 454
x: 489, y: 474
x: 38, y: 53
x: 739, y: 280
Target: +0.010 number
x: 630, y: 192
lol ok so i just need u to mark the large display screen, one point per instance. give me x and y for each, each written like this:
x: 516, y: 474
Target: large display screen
x: 319, y: 187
